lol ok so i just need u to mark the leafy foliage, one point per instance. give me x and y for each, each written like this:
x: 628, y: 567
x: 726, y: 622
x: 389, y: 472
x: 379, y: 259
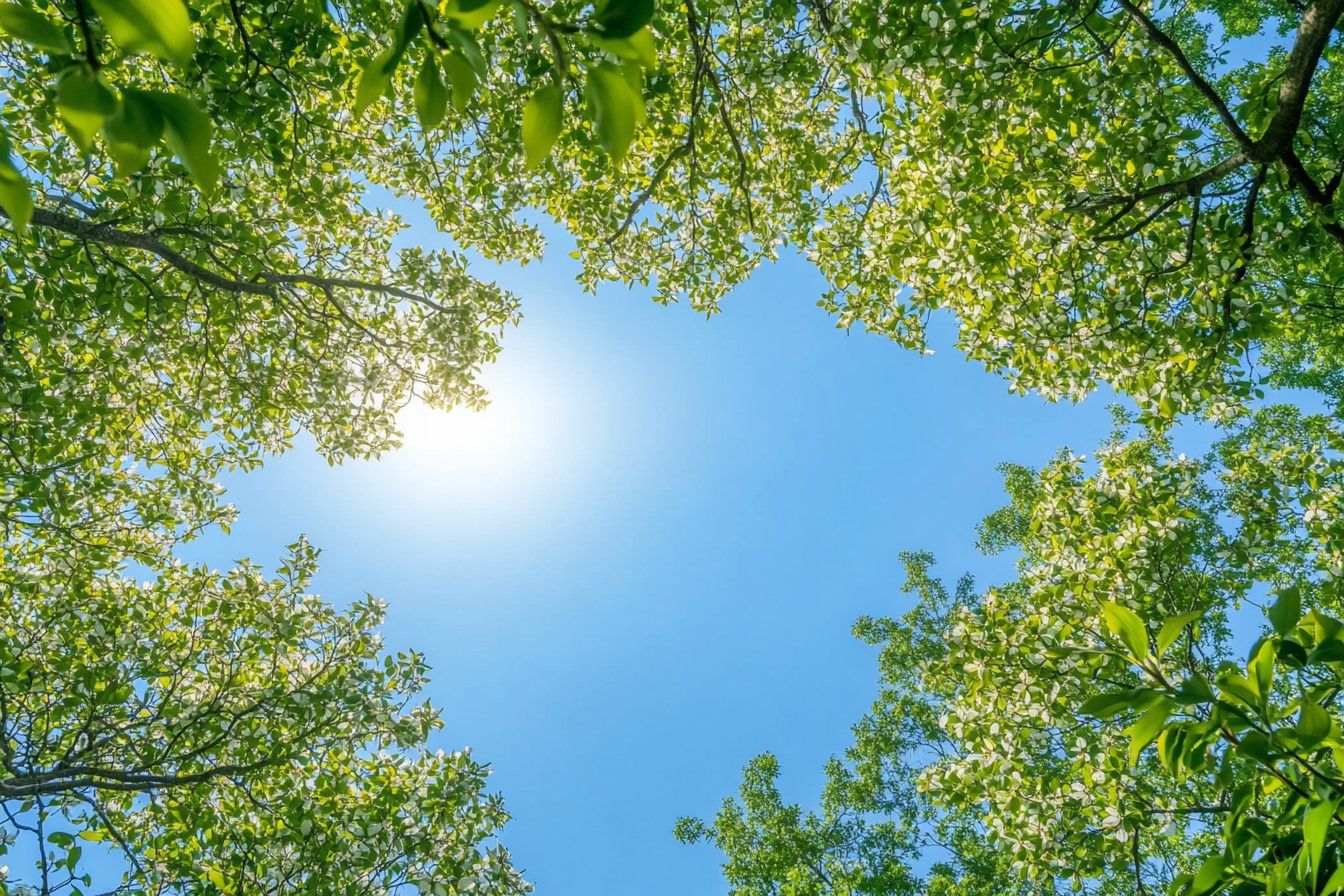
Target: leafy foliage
x: 225, y: 733
x: 1085, y: 725
x: 195, y: 271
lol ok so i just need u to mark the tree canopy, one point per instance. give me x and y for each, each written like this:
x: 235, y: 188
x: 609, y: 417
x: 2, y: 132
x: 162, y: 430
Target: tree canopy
x: 198, y: 266
x: 1088, y: 725
x: 226, y: 733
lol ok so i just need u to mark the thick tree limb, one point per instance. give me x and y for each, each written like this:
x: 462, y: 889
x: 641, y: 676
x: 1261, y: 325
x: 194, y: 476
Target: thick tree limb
x: 1313, y: 35
x: 265, y: 284
x: 75, y: 778
x: 1275, y: 145
x: 1173, y: 49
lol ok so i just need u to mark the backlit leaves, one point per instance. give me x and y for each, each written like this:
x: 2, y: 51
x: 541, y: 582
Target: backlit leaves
x: 160, y: 27
x: 431, y: 95
x: 1086, y: 752
x: 187, y: 130
x: 1126, y: 625
x: 15, y: 198
x: 542, y: 121
x: 85, y: 102
x: 613, y: 106
x: 34, y: 28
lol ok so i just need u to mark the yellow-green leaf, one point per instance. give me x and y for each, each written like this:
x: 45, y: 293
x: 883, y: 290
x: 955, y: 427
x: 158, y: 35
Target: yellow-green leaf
x: 1125, y: 624
x: 1146, y: 729
x: 542, y: 119
x: 611, y: 105
x: 431, y: 96
x: 1260, y: 669
x: 15, y: 197
x: 461, y: 75
x: 1172, y: 628
x: 375, y: 79
x: 1315, y: 826
x: 160, y: 27
x: 84, y: 103
x: 472, y: 14
x: 187, y: 131
x: 638, y: 47
x: 31, y: 27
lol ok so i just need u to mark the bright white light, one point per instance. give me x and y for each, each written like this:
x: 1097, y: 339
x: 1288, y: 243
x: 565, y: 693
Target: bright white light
x: 531, y: 442
x: 499, y: 437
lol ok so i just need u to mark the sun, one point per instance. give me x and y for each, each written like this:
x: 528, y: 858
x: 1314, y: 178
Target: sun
x: 533, y: 437
x: 490, y: 439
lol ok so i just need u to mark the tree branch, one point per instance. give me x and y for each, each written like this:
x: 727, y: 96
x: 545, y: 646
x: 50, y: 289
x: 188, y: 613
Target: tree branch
x: 1165, y: 41
x: 265, y: 284
x: 81, y: 777
x: 1313, y: 34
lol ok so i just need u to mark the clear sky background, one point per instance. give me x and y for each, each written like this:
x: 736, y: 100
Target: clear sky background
x: 639, y: 567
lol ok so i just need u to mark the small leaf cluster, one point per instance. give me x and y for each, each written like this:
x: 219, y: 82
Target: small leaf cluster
x: 453, y: 65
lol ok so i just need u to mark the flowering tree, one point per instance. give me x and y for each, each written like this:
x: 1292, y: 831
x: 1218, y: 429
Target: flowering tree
x: 1107, y: 192
x: 1086, y: 725
x: 223, y: 733
x: 195, y: 269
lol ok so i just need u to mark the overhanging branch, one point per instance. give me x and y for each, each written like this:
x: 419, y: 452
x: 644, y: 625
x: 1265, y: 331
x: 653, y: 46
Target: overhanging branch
x: 265, y: 283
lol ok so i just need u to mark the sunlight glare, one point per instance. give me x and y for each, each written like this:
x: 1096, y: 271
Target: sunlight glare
x: 530, y: 440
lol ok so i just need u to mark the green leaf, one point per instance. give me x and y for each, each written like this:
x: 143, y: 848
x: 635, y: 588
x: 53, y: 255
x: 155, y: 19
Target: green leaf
x: 471, y: 50
x: 1291, y: 654
x: 31, y: 27
x: 1315, y: 826
x: 1172, y: 628
x: 127, y: 157
x: 160, y: 27
x: 1193, y: 690
x: 1334, y: 883
x: 646, y: 51
x: 1286, y: 612
x: 1326, y: 628
x: 1239, y: 688
x: 15, y: 197
x: 137, y: 120
x: 133, y: 132
x: 1209, y: 875
x: 1170, y: 744
x: 1331, y: 651
x: 1255, y: 745
x: 461, y: 75
x: 412, y: 20
x: 611, y: 106
x: 1313, y: 723
x: 472, y: 14
x: 431, y: 96
x: 622, y: 18
x: 638, y: 47
x: 1146, y: 729
x: 1105, y: 706
x: 375, y: 79
x: 1125, y: 624
x: 634, y: 76
x: 187, y: 131
x: 1261, y: 669
x: 84, y: 103
x: 543, y: 117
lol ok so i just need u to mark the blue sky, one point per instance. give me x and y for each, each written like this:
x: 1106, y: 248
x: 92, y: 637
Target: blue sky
x: 639, y: 567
